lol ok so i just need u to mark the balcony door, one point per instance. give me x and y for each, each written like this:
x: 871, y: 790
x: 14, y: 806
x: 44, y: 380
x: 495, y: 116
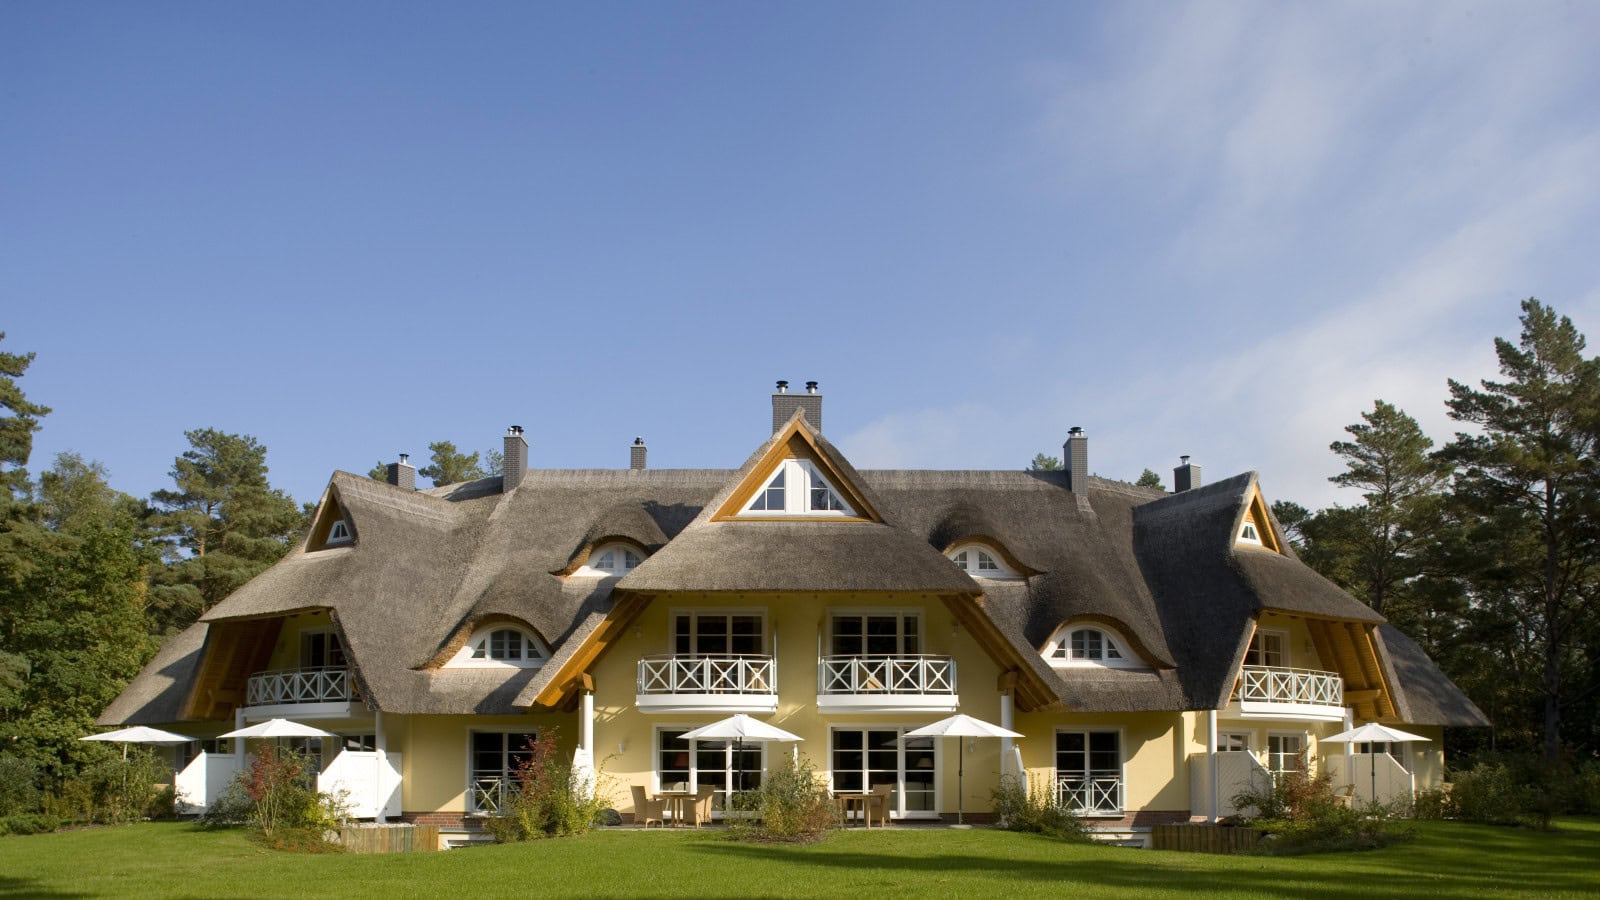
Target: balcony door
x: 728, y: 766
x: 876, y: 634
x: 321, y: 649
x: 863, y: 758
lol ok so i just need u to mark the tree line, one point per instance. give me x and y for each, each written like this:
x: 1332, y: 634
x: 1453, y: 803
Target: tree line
x: 92, y: 579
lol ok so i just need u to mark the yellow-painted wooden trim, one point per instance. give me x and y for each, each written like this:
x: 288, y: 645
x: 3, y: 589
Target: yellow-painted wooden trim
x: 795, y: 441
x: 623, y: 612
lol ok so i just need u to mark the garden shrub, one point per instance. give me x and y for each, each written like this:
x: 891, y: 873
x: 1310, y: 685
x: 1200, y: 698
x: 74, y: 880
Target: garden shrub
x: 790, y: 806
x: 1300, y: 813
x: 1431, y: 804
x: 19, y: 785
x: 28, y: 823
x: 125, y: 790
x: 275, y: 797
x: 1489, y: 793
x: 550, y: 799
x: 1037, y: 810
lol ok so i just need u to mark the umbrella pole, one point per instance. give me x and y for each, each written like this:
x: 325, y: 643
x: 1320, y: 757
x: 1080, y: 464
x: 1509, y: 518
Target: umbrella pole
x: 961, y: 772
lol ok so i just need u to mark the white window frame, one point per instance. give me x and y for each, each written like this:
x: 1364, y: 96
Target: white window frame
x: 334, y: 536
x: 1250, y: 533
x: 695, y: 612
x: 694, y: 761
x: 333, y: 640
x: 1062, y: 639
x: 1227, y: 739
x: 464, y: 658
x: 623, y: 548
x: 898, y: 810
x: 901, y: 613
x: 968, y: 558
x: 1122, y: 764
x: 1254, y: 657
x: 798, y: 481
x: 1272, y: 758
x: 467, y: 798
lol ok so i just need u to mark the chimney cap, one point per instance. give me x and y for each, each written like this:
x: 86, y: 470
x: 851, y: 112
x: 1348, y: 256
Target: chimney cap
x: 514, y: 429
x: 638, y: 441
x: 1075, y: 431
x: 1184, y: 459
x: 405, y: 459
x: 811, y: 387
x: 783, y: 387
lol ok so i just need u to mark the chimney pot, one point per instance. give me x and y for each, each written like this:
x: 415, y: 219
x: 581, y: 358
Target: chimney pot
x: 514, y: 460
x: 783, y: 387
x: 811, y: 387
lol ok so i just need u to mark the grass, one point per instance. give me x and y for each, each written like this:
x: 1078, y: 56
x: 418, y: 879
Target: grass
x: 175, y: 860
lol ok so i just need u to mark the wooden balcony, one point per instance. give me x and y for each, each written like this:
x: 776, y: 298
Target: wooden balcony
x: 1282, y: 693
x: 305, y: 693
x: 913, y: 683
x: 719, y: 683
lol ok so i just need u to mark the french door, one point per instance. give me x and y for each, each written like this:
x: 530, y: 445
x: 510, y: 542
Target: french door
x: 863, y: 758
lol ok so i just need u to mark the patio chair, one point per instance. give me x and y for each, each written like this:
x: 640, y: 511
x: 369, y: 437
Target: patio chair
x: 1346, y: 796
x: 646, y: 810
x: 882, y: 796
x: 700, y: 809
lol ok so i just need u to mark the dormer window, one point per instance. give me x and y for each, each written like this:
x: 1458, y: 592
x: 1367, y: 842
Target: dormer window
x: 609, y: 560
x: 798, y: 488
x: 1089, y: 646
x: 339, y: 533
x: 1249, y: 535
x: 981, y: 562
x: 500, y: 647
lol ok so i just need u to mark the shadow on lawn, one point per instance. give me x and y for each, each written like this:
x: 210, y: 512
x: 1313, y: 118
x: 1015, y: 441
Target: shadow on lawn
x: 31, y: 887
x: 1456, y: 864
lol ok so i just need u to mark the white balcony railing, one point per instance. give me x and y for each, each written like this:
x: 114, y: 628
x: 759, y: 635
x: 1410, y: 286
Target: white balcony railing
x: 886, y: 675
x: 330, y: 685
x: 491, y: 794
x: 707, y: 675
x: 1268, y: 684
x: 1090, y: 792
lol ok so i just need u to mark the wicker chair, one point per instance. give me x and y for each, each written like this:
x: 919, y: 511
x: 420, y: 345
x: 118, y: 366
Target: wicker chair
x: 882, y: 796
x: 699, y: 810
x: 646, y: 810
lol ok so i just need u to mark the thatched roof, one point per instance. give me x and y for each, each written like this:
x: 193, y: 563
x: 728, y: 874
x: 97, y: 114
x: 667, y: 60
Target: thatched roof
x: 1162, y: 570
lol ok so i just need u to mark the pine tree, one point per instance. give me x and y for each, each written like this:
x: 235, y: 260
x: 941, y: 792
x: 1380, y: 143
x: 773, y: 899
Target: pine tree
x: 16, y: 428
x: 223, y: 522
x: 449, y: 466
x: 1531, y: 477
x: 1150, y: 479
x: 1044, y: 463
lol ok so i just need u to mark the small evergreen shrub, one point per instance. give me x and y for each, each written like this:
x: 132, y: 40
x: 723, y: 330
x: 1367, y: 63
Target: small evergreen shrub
x: 1300, y: 813
x: 28, y: 823
x: 1489, y: 793
x: 1037, y: 810
x: 791, y: 806
x: 19, y: 785
x: 550, y: 799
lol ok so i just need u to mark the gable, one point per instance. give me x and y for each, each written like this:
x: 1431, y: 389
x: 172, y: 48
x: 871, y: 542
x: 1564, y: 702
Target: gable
x: 796, y: 479
x: 332, y: 527
x: 1255, y: 529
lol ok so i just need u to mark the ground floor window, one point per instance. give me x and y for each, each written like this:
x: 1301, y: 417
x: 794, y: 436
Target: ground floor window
x: 493, y: 761
x: 1234, y: 740
x: 1089, y: 771
x: 863, y: 758
x: 1285, y: 753
x: 728, y: 766
x: 358, y: 742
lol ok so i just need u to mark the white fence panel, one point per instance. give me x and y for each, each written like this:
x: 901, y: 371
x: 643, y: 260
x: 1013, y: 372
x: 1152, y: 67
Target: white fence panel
x: 369, y: 782
x: 203, y: 780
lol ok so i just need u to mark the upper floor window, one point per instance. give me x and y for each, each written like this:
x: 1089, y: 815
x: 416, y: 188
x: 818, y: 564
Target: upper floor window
x: 611, y: 559
x: 499, y: 647
x: 321, y: 648
x: 339, y: 533
x: 718, y: 633
x: 1268, y: 648
x: 1089, y: 646
x: 980, y: 562
x: 1248, y: 534
x: 876, y: 633
x: 798, y: 488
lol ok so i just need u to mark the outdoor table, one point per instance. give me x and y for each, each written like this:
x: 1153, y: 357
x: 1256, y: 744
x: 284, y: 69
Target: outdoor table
x: 859, y: 801
x: 675, y: 800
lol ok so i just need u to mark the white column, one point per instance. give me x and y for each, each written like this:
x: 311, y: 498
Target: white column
x: 380, y: 743
x: 1211, y: 758
x: 586, y: 722
x: 1006, y: 722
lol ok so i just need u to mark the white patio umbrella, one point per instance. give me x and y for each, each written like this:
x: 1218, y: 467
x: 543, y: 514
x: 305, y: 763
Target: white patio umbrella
x: 741, y: 727
x: 138, y: 734
x: 1372, y: 732
x: 961, y: 726
x: 278, y: 728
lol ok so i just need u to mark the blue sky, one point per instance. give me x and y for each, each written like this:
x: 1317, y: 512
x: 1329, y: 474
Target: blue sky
x: 1219, y: 229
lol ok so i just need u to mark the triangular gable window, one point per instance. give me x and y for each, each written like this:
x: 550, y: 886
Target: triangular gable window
x: 339, y: 533
x: 797, y: 488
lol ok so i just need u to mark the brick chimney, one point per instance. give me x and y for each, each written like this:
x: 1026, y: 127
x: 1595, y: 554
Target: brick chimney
x: 784, y: 404
x: 514, y: 465
x: 403, y: 474
x: 1186, y: 477
x: 636, y: 454
x: 1075, y: 454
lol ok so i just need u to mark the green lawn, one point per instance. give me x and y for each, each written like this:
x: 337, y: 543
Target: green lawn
x: 174, y: 860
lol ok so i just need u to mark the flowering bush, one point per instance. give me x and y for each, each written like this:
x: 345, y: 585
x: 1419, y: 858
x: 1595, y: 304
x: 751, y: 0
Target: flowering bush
x: 275, y: 793
x: 549, y: 798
